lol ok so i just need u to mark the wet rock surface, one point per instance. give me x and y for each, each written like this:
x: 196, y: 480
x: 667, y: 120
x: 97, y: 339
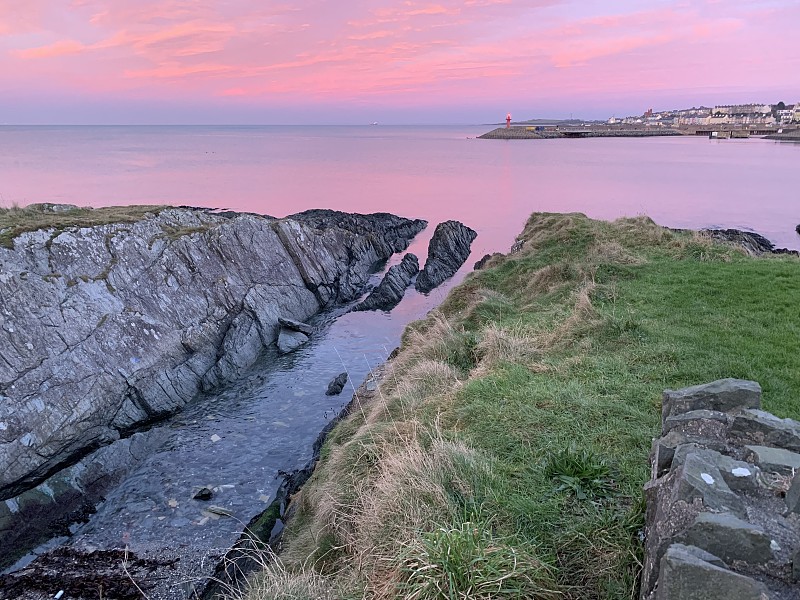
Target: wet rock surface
x: 79, y: 575
x: 390, y: 291
x: 336, y: 386
x: 719, y: 520
x: 449, y: 248
x: 105, y: 329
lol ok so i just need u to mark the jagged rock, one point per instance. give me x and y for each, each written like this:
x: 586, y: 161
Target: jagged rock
x: 104, y: 329
x: 793, y: 495
x: 701, y: 479
x: 699, y: 553
x: 203, y: 494
x: 752, y: 243
x: 737, y: 474
x: 704, y: 423
x: 724, y: 395
x: 729, y: 538
x: 293, y: 325
x: 775, y: 460
x: 482, y: 262
x: 290, y: 340
x: 763, y: 428
x: 797, y: 229
x: 392, y: 287
x: 684, y: 576
x: 664, y: 448
x: 449, y: 248
x: 336, y: 386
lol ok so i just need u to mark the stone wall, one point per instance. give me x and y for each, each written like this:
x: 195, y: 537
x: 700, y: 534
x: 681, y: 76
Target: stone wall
x: 723, y: 503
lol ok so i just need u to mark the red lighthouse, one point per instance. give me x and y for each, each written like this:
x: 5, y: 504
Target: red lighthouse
x: 508, y: 120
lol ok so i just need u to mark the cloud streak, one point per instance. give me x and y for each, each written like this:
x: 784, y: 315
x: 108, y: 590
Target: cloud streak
x: 501, y: 53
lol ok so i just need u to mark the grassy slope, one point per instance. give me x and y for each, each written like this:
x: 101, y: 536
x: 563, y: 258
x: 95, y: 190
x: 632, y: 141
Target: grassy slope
x: 506, y: 454
x: 15, y: 221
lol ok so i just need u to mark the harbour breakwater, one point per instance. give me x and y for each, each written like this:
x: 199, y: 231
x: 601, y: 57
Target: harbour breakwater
x: 539, y: 133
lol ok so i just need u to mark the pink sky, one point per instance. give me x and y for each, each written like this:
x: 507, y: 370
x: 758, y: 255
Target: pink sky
x: 327, y: 61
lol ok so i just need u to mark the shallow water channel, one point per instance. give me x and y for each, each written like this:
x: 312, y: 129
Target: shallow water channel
x: 239, y: 441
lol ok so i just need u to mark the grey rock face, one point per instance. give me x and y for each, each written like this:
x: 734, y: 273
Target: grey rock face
x: 729, y: 538
x: 723, y: 395
x: 684, y: 576
x: 766, y: 429
x: 293, y: 325
x: 290, y: 340
x: 752, y: 243
x: 775, y: 460
x: 106, y: 328
x: 392, y: 287
x: 336, y: 386
x: 449, y: 248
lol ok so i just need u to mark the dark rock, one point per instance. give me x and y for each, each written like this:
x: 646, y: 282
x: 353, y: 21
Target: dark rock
x: 290, y: 340
x: 752, y: 243
x: 482, y: 262
x: 391, y: 289
x: 793, y: 495
x: 763, y: 428
x: 336, y: 386
x: 696, y: 422
x: 293, y: 325
x: 775, y: 460
x: 737, y: 474
x: 701, y: 479
x: 449, y: 248
x: 204, y: 494
x: 701, y: 554
x: 797, y: 229
x: 664, y: 448
x: 684, y: 576
x: 723, y: 395
x: 729, y: 538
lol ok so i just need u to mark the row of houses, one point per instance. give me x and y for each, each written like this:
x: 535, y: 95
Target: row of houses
x: 726, y: 114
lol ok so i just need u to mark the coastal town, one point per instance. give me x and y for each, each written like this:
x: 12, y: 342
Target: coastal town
x: 780, y: 122
x: 770, y: 115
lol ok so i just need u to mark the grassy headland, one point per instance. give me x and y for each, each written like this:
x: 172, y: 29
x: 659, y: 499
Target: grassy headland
x: 505, y: 452
x: 17, y: 220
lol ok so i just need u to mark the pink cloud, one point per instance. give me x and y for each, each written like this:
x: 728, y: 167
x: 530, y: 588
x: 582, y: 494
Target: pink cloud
x: 400, y: 51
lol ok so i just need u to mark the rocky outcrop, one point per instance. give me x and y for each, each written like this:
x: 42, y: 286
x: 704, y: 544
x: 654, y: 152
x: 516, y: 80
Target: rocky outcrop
x: 392, y: 287
x: 449, y: 248
x: 724, y: 500
x: 292, y: 335
x: 105, y: 329
x: 753, y: 243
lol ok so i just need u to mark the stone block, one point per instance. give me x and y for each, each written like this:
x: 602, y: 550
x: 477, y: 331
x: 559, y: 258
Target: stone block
x: 738, y: 474
x: 701, y: 479
x: 696, y: 422
x: 775, y: 460
x: 766, y: 429
x: 730, y: 538
x: 793, y: 495
x: 725, y: 395
x: 684, y: 576
x: 664, y: 448
x: 289, y: 340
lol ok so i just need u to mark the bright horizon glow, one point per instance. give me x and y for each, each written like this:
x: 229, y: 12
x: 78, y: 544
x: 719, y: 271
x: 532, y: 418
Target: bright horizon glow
x: 390, y: 61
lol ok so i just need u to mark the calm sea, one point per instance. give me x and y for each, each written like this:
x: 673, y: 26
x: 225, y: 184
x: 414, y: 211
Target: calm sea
x: 436, y: 173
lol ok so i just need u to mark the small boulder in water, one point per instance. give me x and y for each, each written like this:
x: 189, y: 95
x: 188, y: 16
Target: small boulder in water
x: 293, y: 325
x: 204, y: 494
x: 336, y: 386
x: 289, y: 340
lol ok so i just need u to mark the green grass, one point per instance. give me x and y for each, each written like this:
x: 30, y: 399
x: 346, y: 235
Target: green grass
x: 531, y: 401
x: 15, y: 221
